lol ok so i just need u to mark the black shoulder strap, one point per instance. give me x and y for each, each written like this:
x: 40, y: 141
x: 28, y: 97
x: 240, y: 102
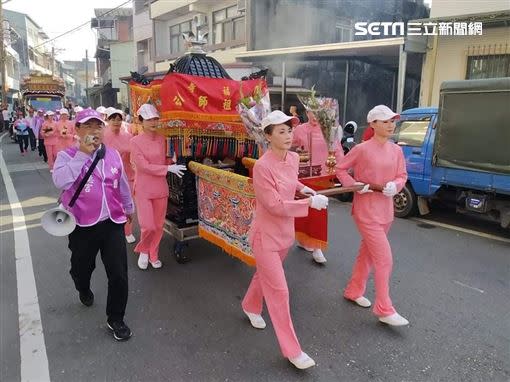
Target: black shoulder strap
x: 99, y: 155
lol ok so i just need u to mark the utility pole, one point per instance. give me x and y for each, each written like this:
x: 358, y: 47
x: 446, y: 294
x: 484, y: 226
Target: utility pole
x: 52, y: 61
x: 2, y: 57
x: 87, y: 76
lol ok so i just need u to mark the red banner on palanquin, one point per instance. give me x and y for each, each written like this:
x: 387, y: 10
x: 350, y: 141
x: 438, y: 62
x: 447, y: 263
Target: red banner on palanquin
x: 191, y: 102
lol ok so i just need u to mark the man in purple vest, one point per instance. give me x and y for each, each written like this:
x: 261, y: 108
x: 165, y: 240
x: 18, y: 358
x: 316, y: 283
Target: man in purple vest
x: 101, y: 210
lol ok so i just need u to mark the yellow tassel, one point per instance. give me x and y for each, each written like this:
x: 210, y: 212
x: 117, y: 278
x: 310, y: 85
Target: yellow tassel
x: 310, y: 242
x: 227, y: 247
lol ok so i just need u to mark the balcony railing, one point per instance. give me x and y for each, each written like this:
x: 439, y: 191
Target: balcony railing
x: 160, y: 8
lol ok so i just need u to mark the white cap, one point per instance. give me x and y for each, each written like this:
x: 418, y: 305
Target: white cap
x: 77, y: 109
x: 101, y: 109
x: 148, y: 111
x: 111, y: 110
x: 381, y: 113
x: 277, y: 117
x: 49, y: 112
x: 64, y: 111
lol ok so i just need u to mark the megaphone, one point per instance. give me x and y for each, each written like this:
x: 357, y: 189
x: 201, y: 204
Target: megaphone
x: 58, y: 221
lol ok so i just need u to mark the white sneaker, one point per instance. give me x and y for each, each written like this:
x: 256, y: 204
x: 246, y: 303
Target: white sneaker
x: 394, y: 320
x: 156, y: 264
x: 318, y: 256
x: 302, y: 361
x: 143, y: 260
x: 363, y: 302
x: 308, y: 249
x: 256, y: 320
x: 130, y: 239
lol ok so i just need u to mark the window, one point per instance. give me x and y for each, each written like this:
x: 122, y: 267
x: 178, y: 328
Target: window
x: 343, y: 31
x: 228, y: 25
x: 176, y: 40
x: 490, y: 66
x: 412, y: 133
x: 141, y: 5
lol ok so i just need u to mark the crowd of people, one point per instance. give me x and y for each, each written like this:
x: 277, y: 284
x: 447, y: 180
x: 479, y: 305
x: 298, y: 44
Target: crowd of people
x: 121, y: 172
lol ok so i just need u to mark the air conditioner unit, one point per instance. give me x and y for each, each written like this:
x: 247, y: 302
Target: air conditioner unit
x: 241, y: 6
x: 199, y: 20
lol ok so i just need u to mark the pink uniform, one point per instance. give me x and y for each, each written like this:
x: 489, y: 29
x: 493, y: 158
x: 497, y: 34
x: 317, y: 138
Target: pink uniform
x: 275, y: 182
x: 50, y: 141
x: 65, y: 132
x: 303, y: 135
x: 148, y: 153
x: 127, y: 127
x: 121, y: 142
x: 311, y: 132
x: 377, y: 163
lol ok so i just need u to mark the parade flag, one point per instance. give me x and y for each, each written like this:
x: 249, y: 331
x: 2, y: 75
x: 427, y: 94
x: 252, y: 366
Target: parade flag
x: 204, y: 103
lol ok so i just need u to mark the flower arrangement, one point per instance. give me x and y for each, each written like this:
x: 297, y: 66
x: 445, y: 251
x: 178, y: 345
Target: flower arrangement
x: 252, y: 109
x: 326, y: 112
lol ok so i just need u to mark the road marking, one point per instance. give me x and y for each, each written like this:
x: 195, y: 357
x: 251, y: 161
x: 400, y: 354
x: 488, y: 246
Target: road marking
x: 467, y: 286
x: 30, y: 166
x: 34, y: 361
x: 464, y: 230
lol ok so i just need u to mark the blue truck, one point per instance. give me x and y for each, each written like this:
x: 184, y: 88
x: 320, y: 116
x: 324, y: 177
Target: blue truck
x: 459, y: 153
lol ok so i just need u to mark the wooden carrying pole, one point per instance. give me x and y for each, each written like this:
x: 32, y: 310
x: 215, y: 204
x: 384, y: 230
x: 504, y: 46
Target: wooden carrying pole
x: 343, y: 190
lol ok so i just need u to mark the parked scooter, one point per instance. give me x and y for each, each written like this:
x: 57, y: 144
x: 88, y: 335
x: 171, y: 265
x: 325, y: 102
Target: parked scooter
x: 348, y: 138
x: 347, y: 144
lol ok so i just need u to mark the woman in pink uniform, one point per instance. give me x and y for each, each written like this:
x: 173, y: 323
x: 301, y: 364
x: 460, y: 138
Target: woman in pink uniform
x: 148, y: 153
x: 114, y: 136
x: 66, y: 131
x: 376, y: 161
x: 50, y: 134
x: 309, y: 137
x: 272, y: 234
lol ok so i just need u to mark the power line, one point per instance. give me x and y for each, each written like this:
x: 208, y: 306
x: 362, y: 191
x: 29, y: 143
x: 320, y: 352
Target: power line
x: 81, y: 25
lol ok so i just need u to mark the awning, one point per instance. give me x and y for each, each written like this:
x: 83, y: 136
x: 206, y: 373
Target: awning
x: 382, y: 51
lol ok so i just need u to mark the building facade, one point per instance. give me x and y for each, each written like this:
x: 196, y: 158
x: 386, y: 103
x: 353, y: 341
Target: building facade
x: 284, y: 36
x: 12, y: 66
x: 35, y: 55
x: 113, y: 26
x: 223, y: 20
x: 78, y: 69
x: 31, y: 52
x: 142, y: 37
x: 462, y: 57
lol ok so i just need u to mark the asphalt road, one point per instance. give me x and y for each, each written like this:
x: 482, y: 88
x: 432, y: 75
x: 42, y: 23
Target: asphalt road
x: 188, y: 324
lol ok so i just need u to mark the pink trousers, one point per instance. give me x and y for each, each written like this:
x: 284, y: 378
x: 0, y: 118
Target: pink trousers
x: 51, y: 151
x: 269, y: 284
x: 128, y: 227
x: 151, y: 218
x: 374, y: 252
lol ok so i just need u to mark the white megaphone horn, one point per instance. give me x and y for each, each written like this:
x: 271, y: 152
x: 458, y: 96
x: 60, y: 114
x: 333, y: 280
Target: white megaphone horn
x: 58, y: 221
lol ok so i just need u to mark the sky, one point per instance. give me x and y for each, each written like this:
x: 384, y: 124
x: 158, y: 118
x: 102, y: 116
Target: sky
x: 58, y: 16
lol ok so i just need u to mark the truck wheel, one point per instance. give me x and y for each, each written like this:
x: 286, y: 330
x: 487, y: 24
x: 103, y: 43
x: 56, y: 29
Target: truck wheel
x: 405, y: 202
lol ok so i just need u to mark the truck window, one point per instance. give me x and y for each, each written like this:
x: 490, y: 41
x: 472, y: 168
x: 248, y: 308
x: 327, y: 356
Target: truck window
x: 411, y: 132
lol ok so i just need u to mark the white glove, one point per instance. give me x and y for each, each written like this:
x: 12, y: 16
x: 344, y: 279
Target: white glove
x: 365, y: 189
x: 177, y: 169
x: 319, y: 202
x: 307, y: 191
x: 390, y: 189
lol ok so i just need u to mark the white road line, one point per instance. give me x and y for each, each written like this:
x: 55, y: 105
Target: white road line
x: 467, y: 286
x: 34, y: 361
x: 464, y: 230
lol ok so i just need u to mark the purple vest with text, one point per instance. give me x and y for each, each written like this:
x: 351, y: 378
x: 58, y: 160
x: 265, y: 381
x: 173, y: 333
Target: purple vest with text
x: 103, y: 185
